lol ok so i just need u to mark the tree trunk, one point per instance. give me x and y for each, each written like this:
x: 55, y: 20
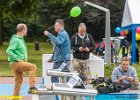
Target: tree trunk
x: 1, y: 31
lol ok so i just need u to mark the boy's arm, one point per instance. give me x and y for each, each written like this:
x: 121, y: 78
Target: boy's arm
x: 11, y: 48
x: 57, y: 40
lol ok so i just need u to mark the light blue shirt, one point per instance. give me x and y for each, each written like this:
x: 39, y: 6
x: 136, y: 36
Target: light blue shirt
x: 118, y: 73
x: 62, y: 46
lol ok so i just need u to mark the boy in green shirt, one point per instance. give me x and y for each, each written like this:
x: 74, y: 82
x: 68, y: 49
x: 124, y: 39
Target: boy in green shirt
x: 17, y: 56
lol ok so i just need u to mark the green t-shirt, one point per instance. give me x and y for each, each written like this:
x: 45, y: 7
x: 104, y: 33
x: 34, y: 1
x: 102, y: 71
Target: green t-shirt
x: 17, y: 49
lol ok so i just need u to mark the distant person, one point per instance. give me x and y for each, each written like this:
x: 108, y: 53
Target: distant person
x: 125, y: 75
x: 17, y: 56
x: 62, y: 47
x: 100, y: 48
x: 82, y: 44
x: 123, y: 52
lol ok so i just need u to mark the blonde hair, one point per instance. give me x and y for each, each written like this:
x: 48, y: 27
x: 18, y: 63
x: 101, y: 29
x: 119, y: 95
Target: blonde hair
x: 60, y: 21
x: 125, y: 59
x: 83, y: 26
x: 21, y: 27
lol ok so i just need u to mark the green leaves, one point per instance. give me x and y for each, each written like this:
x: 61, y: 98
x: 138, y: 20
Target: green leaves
x: 62, y: 2
x: 18, y: 8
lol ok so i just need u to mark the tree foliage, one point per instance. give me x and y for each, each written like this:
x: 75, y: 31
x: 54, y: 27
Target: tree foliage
x: 17, y: 9
x: 94, y: 18
x: 41, y: 14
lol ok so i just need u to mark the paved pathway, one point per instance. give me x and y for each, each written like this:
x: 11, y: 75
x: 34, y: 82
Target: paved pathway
x: 10, y: 80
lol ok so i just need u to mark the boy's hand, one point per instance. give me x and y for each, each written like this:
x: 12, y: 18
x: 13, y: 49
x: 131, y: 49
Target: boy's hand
x: 46, y: 33
x: 49, y: 60
x: 81, y: 49
x: 131, y: 79
x: 86, y: 49
x: 122, y: 78
x: 20, y: 60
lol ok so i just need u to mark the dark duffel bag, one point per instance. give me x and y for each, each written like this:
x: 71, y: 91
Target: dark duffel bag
x: 105, y: 85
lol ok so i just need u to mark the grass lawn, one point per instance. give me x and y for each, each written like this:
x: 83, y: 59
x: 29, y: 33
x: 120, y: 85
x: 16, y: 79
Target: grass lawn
x: 36, y: 58
x: 33, y: 57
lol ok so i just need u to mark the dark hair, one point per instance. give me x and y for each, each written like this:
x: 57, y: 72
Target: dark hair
x: 125, y: 59
x: 60, y: 21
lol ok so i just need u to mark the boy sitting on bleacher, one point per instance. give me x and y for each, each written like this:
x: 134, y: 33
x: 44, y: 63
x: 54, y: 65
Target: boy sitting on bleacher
x: 125, y: 75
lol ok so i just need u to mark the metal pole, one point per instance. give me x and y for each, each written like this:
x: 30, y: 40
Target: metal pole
x: 107, y: 31
x: 96, y: 6
x: 107, y: 40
